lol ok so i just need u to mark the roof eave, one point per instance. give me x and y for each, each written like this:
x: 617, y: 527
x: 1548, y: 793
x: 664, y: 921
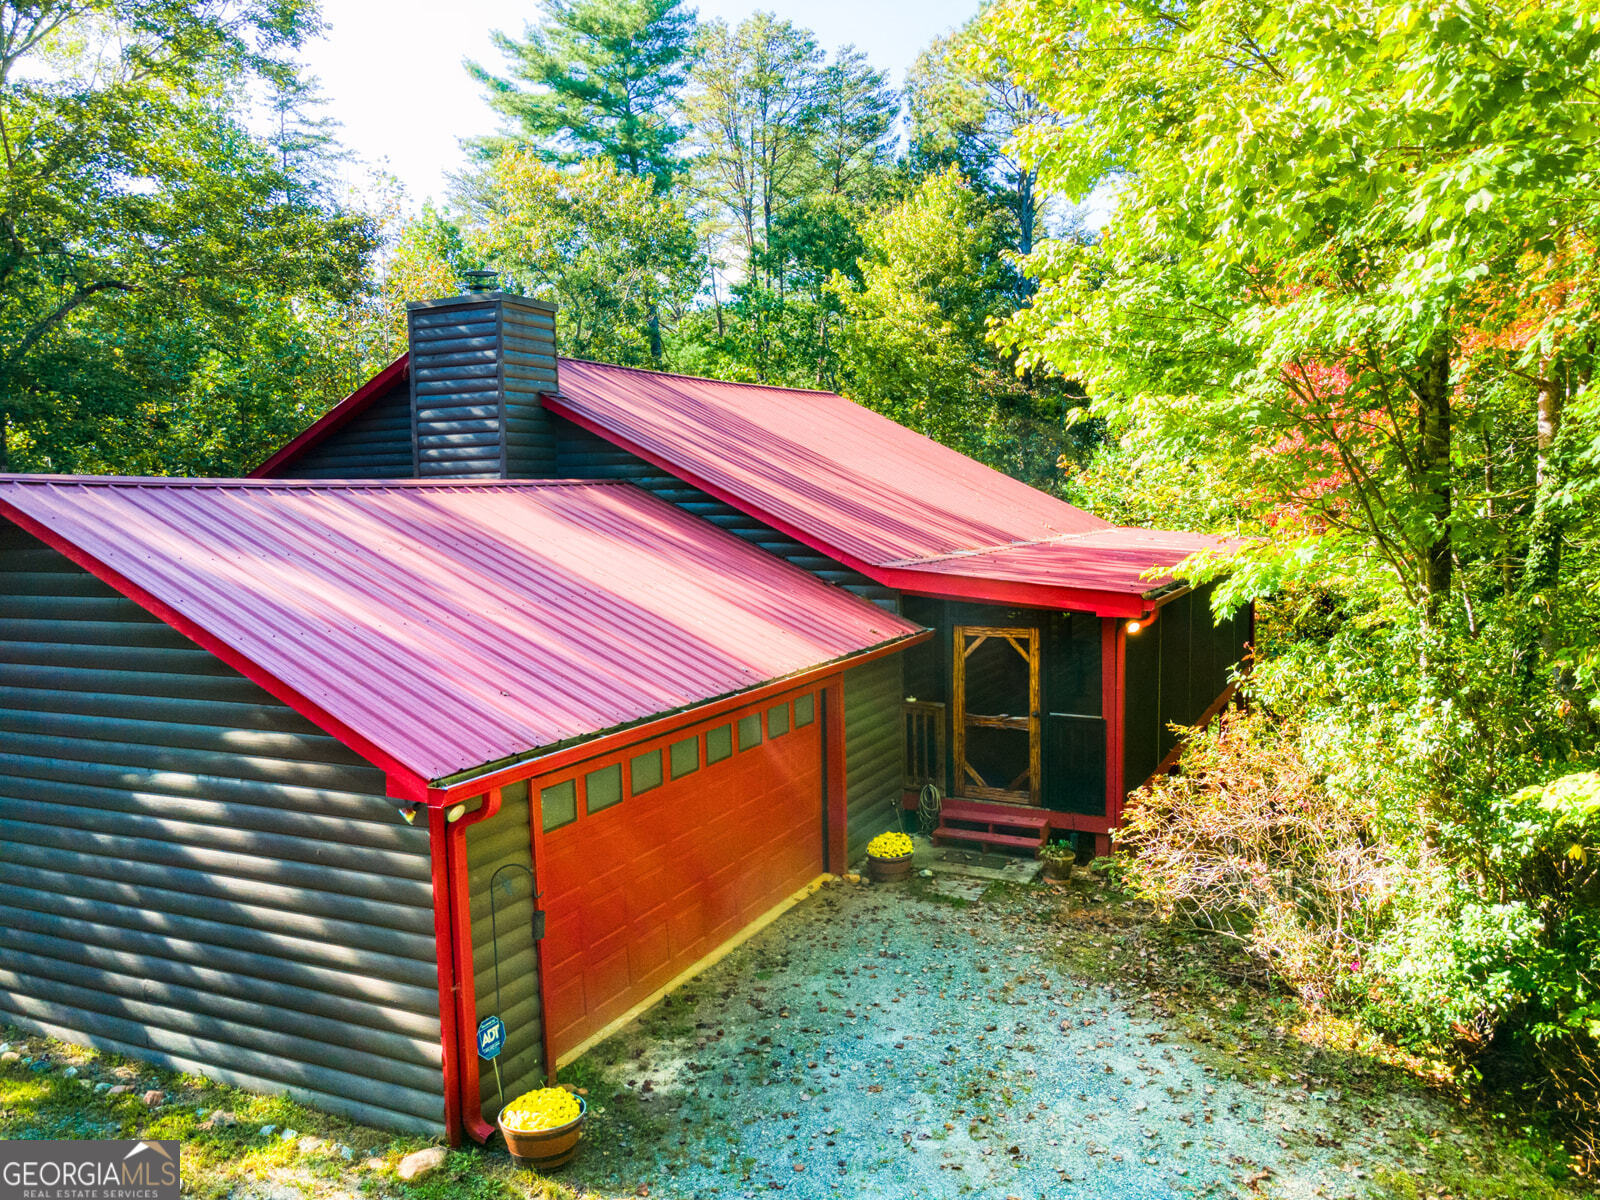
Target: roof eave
x: 471, y: 781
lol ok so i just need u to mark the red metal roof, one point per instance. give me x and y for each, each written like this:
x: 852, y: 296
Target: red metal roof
x: 446, y: 626
x: 896, y: 506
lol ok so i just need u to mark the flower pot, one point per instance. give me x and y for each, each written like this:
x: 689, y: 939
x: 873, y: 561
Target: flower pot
x: 886, y: 870
x: 546, y: 1148
x: 1059, y: 869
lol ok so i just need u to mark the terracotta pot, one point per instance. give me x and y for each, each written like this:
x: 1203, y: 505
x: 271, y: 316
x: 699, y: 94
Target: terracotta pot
x: 886, y: 870
x: 548, y: 1147
x: 1059, y: 869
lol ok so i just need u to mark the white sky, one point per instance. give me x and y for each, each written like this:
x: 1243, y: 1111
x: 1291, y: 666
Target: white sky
x: 391, y: 69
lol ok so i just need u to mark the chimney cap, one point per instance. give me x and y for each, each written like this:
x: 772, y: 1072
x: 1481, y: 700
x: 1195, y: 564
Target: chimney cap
x: 479, y: 282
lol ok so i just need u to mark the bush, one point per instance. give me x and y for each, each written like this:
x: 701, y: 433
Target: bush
x: 1247, y: 841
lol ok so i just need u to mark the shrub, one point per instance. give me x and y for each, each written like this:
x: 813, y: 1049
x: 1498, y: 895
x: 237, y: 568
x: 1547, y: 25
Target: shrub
x: 1247, y: 841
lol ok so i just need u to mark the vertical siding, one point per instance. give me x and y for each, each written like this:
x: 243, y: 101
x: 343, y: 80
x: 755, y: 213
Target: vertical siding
x: 874, y: 749
x: 478, y: 365
x: 504, y: 844
x: 192, y: 874
x: 583, y: 455
x: 1176, y: 669
x: 374, y: 445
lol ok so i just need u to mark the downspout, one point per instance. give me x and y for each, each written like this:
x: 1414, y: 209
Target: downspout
x: 444, y: 952
x: 463, y: 1080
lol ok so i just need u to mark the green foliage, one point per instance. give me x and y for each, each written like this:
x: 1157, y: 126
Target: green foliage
x: 914, y: 343
x: 601, y: 244
x: 164, y: 273
x: 595, y: 79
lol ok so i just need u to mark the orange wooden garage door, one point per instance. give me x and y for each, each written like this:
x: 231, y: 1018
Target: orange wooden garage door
x: 653, y: 856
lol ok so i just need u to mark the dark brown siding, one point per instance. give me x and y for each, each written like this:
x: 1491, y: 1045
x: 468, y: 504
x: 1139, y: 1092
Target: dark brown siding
x: 192, y: 874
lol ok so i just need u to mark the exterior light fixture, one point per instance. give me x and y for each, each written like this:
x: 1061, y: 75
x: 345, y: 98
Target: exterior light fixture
x: 1135, y: 626
x: 455, y: 813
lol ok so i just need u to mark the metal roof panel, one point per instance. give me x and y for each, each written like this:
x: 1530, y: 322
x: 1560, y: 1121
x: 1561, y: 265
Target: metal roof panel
x: 455, y: 624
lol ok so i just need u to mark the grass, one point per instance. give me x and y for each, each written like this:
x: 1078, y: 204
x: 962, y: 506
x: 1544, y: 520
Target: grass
x: 235, y: 1160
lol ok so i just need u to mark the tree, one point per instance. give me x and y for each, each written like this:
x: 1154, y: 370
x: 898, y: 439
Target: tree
x: 967, y: 109
x: 597, y: 79
x: 754, y: 109
x: 600, y: 243
x: 915, y: 341
x: 149, y: 244
x: 1351, y: 265
x: 854, y: 142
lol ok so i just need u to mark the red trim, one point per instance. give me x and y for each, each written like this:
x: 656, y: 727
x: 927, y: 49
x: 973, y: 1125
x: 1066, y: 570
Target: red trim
x: 836, y: 781
x: 1205, y: 718
x: 404, y: 783
x: 468, y: 1099
x: 341, y: 414
x: 906, y: 579
x: 444, y: 952
x: 544, y: 764
x: 1113, y: 690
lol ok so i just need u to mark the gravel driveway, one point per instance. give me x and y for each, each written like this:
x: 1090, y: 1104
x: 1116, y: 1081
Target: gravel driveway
x: 884, y: 1042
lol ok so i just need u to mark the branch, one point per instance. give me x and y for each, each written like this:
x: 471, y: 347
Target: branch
x: 82, y: 296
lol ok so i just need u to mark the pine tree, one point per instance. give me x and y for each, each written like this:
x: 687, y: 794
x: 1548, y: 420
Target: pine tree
x: 595, y: 79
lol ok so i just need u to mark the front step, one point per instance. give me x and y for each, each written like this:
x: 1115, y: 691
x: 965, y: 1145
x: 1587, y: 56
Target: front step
x: 991, y: 826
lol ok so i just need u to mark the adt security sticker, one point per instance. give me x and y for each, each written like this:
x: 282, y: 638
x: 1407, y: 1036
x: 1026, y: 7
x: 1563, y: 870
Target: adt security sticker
x: 491, y: 1037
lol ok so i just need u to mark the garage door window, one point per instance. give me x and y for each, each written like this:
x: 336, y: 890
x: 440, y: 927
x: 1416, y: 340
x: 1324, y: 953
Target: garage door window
x: 805, y: 708
x: 719, y: 743
x: 645, y: 771
x: 602, y: 788
x: 685, y: 757
x: 558, y: 805
x: 778, y: 721
x: 750, y: 731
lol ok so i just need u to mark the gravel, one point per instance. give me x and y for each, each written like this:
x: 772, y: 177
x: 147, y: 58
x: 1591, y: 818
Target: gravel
x: 875, y: 1042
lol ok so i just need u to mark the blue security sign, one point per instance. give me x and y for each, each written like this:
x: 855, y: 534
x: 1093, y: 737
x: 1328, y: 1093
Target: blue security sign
x: 491, y: 1037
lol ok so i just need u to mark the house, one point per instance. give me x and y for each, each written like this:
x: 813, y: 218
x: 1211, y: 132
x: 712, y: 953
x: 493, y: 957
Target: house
x: 522, y: 687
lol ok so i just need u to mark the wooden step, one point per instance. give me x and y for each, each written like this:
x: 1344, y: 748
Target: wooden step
x: 994, y: 814
x: 986, y: 838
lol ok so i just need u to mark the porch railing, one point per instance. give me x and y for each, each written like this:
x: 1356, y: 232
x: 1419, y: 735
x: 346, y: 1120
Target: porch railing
x: 925, y: 754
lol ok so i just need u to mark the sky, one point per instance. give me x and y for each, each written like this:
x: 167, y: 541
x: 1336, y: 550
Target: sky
x: 391, y: 69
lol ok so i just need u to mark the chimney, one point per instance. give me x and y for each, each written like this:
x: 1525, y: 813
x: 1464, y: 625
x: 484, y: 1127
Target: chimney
x: 478, y: 364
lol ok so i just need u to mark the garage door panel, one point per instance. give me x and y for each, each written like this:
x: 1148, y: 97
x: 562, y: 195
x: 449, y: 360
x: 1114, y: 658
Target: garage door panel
x: 639, y: 892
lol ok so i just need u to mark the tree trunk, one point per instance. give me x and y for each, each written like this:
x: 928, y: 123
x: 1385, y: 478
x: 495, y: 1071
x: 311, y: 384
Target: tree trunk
x: 1433, y: 438
x: 1542, y: 568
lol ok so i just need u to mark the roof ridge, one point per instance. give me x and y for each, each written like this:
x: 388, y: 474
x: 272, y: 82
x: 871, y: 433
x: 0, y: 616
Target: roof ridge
x: 224, y: 482
x: 975, y: 551
x: 770, y: 387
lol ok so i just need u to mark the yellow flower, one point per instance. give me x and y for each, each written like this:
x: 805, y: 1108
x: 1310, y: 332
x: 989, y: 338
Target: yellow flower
x: 542, y: 1108
x: 889, y: 845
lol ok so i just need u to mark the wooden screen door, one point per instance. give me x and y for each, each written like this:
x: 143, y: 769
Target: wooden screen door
x: 996, y: 711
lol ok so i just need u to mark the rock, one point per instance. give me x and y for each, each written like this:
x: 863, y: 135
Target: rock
x: 83, y: 1083
x: 345, y: 1152
x: 153, y: 1098
x: 9, y: 1056
x: 102, y: 1087
x: 268, y: 1130
x: 373, y: 1164
x: 925, y: 873
x: 288, y: 1135
x: 310, y: 1144
x: 121, y: 1089
x: 70, y: 1073
x: 422, y: 1163
x: 5, y: 1047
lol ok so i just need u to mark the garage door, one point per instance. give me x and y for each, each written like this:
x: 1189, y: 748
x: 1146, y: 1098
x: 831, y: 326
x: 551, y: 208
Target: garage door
x: 653, y: 856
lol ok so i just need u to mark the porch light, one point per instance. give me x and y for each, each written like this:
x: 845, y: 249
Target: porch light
x: 1135, y: 626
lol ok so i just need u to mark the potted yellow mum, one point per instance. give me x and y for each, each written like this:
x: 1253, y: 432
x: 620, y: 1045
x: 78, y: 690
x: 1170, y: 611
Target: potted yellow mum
x: 542, y: 1127
x: 889, y: 857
